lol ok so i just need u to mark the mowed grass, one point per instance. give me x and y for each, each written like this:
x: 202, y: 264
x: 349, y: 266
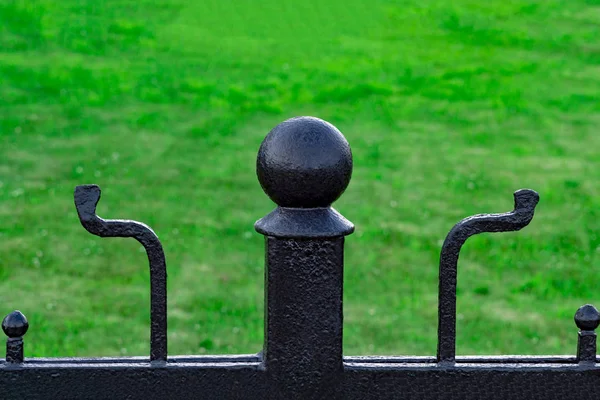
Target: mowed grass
x: 448, y: 106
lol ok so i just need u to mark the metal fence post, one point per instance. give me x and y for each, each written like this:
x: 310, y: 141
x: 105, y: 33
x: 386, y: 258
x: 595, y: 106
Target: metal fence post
x: 304, y: 164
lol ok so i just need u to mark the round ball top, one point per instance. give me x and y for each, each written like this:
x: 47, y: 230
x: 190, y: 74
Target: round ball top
x: 587, y: 318
x: 304, y: 162
x: 15, y: 324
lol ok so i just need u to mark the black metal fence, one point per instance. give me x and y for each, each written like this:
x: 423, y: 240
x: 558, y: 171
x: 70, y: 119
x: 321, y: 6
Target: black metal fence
x: 304, y: 164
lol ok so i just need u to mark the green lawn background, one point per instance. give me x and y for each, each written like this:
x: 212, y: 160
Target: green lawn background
x: 448, y: 106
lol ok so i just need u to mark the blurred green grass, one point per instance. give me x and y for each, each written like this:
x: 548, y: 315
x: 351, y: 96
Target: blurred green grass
x: 449, y: 107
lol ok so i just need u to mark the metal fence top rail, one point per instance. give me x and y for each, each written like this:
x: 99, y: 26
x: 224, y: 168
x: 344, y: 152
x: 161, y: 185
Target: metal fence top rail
x: 304, y: 164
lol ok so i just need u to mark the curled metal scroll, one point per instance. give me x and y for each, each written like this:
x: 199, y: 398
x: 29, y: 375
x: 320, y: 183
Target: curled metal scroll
x: 525, y: 202
x: 86, y: 199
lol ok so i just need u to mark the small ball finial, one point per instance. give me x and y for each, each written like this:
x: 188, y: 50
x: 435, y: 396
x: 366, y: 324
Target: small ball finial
x: 587, y: 318
x: 15, y: 324
x: 304, y: 162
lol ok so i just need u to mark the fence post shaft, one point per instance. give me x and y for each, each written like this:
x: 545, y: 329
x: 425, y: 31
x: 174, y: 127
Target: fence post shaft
x: 304, y: 164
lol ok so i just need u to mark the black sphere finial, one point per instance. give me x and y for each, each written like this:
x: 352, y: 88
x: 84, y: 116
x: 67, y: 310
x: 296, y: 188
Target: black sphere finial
x: 587, y: 318
x: 304, y: 162
x: 15, y: 324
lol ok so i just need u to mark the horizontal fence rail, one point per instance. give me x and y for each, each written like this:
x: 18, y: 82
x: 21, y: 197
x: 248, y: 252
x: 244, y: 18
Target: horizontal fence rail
x: 304, y: 164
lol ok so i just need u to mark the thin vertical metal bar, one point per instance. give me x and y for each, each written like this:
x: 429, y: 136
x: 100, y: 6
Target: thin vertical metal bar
x: 86, y: 199
x: 525, y: 202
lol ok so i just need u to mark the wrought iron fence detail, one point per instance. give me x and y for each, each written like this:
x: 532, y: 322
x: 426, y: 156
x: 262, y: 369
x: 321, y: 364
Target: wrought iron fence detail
x: 304, y: 164
x: 86, y: 200
x: 15, y: 326
x: 525, y: 202
x: 587, y: 319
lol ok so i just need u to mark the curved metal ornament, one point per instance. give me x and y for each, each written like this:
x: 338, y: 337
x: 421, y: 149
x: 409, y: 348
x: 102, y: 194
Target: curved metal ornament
x: 86, y: 199
x: 525, y: 202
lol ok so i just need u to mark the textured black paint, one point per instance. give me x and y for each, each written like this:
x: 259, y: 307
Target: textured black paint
x: 587, y: 319
x: 303, y: 321
x: 15, y: 326
x: 304, y: 223
x: 471, y: 382
x: 199, y: 379
x: 525, y: 202
x: 304, y: 164
x: 92, y: 379
x: 86, y: 199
